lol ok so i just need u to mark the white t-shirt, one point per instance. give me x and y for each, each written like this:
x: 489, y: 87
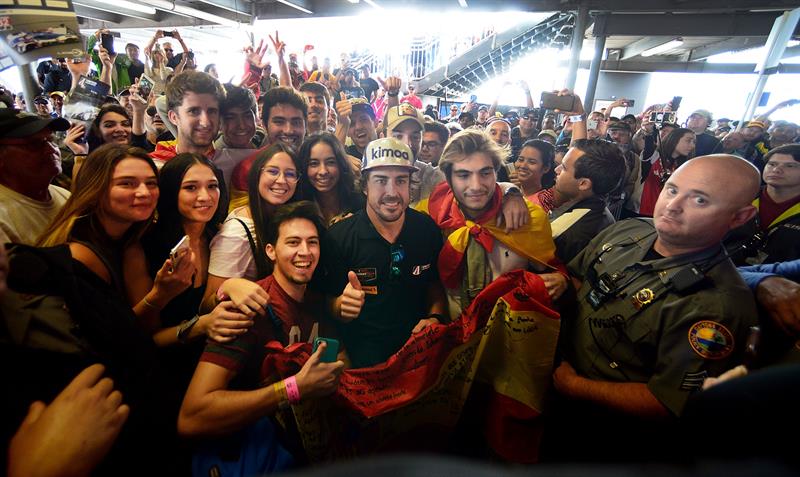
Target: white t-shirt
x: 231, y: 256
x: 23, y: 219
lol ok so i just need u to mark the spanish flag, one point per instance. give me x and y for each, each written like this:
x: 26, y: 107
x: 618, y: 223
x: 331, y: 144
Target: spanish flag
x: 533, y: 241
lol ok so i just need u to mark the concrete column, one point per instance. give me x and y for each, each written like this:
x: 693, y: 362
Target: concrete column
x: 29, y: 85
x: 594, y: 72
x: 577, y: 44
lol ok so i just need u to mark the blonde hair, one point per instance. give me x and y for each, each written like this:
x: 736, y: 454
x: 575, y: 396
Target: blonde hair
x: 89, y: 190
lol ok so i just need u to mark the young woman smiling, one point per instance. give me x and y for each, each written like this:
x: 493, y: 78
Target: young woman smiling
x: 535, y: 168
x: 238, y: 250
x: 328, y: 178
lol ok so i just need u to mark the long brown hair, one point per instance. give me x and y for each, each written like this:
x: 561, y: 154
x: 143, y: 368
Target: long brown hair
x: 90, y: 187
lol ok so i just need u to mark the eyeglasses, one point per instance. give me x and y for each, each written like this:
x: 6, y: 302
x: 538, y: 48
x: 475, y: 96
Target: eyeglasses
x: 788, y: 166
x: 397, y: 255
x: 430, y: 144
x: 168, y: 49
x: 289, y: 174
x: 151, y: 111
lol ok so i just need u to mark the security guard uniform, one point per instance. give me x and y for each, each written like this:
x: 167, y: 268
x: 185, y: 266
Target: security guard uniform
x: 667, y: 322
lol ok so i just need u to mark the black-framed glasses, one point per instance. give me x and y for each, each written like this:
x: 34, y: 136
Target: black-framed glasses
x: 397, y: 255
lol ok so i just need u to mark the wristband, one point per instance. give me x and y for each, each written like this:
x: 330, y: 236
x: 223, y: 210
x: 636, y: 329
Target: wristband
x: 393, y: 94
x: 292, y: 391
x: 185, y: 327
x: 150, y: 305
x: 576, y: 118
x: 280, y: 389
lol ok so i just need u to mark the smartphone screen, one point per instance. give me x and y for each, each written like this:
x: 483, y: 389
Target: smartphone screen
x: 178, y: 250
x: 145, y: 86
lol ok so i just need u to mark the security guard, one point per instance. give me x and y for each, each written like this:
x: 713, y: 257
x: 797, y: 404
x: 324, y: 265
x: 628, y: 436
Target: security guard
x: 660, y: 307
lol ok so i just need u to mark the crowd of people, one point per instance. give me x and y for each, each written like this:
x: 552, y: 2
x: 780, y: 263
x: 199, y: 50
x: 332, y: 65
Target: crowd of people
x: 156, y: 255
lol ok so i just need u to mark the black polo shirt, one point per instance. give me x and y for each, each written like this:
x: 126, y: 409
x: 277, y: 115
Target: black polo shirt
x: 393, y: 304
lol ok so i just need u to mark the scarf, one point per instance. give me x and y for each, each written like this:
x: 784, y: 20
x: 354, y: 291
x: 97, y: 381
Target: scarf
x: 533, y: 241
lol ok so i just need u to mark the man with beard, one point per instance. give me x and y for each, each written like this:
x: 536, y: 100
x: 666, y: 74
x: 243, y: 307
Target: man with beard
x: 733, y: 143
x: 319, y: 100
x: 381, y: 277
x: 706, y: 142
x: 621, y: 134
x: 193, y: 100
x: 526, y: 129
x: 29, y: 160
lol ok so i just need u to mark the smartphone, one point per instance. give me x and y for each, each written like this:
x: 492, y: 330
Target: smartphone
x: 169, y: 34
x: 145, y: 86
x: 331, y: 351
x: 676, y: 102
x: 107, y: 40
x: 178, y: 250
x: 591, y: 124
x: 629, y: 102
x: 554, y: 101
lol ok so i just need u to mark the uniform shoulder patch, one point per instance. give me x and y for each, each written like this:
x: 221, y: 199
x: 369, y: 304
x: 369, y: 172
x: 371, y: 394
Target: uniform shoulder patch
x: 711, y: 340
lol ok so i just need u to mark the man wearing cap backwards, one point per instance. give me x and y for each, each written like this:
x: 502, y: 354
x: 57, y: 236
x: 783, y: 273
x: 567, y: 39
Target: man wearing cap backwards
x: 698, y: 122
x: 473, y: 256
x: 660, y: 308
x: 29, y: 160
x: 380, y: 276
x: 483, y: 116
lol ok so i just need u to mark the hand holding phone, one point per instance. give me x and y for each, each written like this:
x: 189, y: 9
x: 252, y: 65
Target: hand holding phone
x: 331, y: 349
x: 178, y: 251
x: 553, y: 101
x: 107, y: 40
x: 145, y: 86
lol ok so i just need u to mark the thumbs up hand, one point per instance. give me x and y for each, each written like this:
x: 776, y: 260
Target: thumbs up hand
x: 351, y: 300
x: 343, y: 109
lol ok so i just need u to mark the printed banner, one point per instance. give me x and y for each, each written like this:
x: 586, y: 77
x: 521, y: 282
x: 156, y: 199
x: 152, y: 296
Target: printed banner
x: 503, y: 344
x: 34, y: 29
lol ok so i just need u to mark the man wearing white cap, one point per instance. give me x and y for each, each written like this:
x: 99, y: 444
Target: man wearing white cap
x: 380, y: 267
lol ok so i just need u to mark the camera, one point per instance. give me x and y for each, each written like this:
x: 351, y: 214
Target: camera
x: 661, y: 117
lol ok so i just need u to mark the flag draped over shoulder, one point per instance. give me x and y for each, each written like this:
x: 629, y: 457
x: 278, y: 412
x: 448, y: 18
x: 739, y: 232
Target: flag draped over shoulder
x: 503, y: 345
x: 533, y: 241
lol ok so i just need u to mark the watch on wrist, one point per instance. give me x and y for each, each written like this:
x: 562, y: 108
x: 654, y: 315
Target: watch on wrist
x: 186, y: 327
x: 577, y: 118
x: 513, y: 190
x: 393, y: 93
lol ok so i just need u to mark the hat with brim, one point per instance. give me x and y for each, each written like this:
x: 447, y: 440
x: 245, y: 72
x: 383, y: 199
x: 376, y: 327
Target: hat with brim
x: 548, y: 132
x: 58, y: 93
x: 360, y: 105
x: 16, y: 124
x: 397, y: 115
x: 756, y: 124
x: 387, y: 152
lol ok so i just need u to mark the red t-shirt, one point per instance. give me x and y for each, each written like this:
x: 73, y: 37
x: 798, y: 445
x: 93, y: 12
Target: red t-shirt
x: 769, y: 210
x: 246, y: 353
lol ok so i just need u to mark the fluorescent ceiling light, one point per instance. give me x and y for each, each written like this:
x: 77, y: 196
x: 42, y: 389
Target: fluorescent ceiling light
x: 353, y: 1
x: 372, y: 4
x: 294, y: 5
x: 131, y: 6
x: 463, y: 3
x: 192, y: 12
x: 662, y: 48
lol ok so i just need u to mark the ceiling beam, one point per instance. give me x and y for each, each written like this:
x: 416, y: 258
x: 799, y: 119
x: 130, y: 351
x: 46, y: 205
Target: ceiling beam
x: 727, y: 45
x: 99, y: 5
x: 699, y: 24
x: 685, y: 67
x: 236, y: 6
x: 639, y: 46
x: 99, y: 15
